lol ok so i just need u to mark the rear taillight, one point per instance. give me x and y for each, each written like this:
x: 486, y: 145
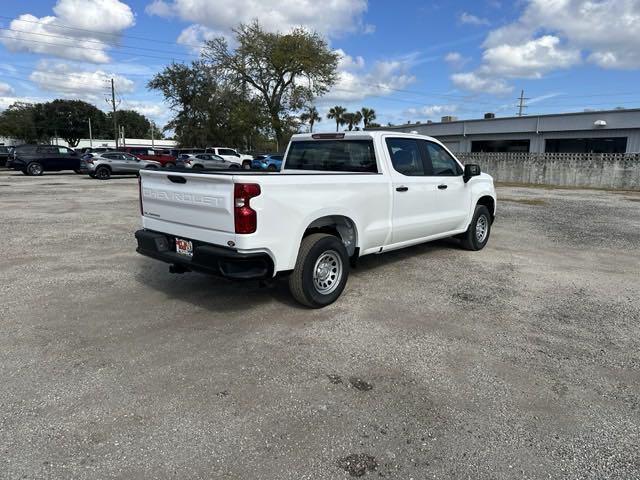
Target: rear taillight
x: 140, y: 194
x: 246, y: 218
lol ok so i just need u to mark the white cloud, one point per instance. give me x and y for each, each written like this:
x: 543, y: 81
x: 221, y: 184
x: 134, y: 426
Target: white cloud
x: 469, y: 19
x: 356, y: 82
x: 5, y: 89
x: 50, y: 36
x: 64, y: 79
x: 194, y: 37
x: 530, y: 59
x: 606, y: 30
x: 456, y: 60
x: 331, y: 18
x: 478, y: 83
x: 432, y: 111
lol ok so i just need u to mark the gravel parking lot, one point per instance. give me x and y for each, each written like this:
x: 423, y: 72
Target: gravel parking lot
x: 520, y: 361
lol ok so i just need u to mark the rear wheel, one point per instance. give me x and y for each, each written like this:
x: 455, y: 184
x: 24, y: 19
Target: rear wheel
x: 197, y: 167
x: 321, y: 271
x: 35, y: 169
x: 234, y: 166
x: 169, y: 165
x: 246, y: 164
x: 103, y: 173
x: 477, y: 235
x: 272, y: 168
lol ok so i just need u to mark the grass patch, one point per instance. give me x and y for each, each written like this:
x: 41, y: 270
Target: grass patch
x: 526, y: 201
x: 562, y: 187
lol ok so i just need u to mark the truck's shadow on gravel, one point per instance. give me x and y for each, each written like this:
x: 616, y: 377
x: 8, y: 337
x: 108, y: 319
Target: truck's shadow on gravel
x: 221, y: 295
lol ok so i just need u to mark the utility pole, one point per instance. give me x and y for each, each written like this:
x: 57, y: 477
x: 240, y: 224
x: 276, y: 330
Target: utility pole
x: 152, y: 129
x: 90, y: 135
x: 521, y: 105
x: 115, y: 120
x: 124, y: 143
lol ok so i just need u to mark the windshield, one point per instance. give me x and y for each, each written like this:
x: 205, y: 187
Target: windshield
x: 332, y: 156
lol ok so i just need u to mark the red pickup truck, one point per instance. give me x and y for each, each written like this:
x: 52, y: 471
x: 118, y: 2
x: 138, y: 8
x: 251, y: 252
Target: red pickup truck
x: 145, y: 153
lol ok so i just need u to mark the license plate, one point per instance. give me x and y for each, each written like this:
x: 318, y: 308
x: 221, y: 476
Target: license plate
x: 184, y: 247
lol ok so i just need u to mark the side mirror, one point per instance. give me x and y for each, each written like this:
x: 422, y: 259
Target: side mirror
x: 471, y: 170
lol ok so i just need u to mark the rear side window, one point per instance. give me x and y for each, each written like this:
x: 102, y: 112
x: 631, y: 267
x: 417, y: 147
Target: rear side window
x: 406, y: 157
x: 332, y: 156
x: 47, y: 150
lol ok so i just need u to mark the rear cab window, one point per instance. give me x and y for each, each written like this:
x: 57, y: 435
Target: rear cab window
x: 332, y: 156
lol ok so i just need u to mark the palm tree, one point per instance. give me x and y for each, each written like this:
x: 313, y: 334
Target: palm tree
x: 311, y: 116
x: 352, y: 119
x: 368, y: 116
x: 336, y: 114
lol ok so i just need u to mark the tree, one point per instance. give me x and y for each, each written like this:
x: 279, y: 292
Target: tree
x: 336, y: 114
x: 352, y: 119
x: 208, y: 108
x: 23, y: 121
x: 135, y: 124
x: 69, y: 119
x: 368, y: 116
x: 311, y: 116
x: 286, y: 70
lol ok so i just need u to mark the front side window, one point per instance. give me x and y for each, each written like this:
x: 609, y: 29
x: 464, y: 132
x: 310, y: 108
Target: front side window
x: 406, y: 157
x: 332, y: 156
x: 442, y: 163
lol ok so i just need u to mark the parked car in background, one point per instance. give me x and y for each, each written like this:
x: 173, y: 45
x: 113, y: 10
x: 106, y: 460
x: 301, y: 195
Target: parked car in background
x: 84, y: 150
x: 232, y: 156
x: 103, y: 165
x: 269, y: 162
x: 36, y: 159
x: 144, y: 153
x: 4, y: 155
x: 204, y: 161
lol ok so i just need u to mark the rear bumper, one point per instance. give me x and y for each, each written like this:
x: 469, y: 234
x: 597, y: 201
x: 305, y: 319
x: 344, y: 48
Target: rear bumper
x: 207, y: 258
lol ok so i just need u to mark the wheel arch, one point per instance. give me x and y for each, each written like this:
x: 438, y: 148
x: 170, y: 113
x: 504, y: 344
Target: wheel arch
x: 489, y: 202
x: 341, y: 226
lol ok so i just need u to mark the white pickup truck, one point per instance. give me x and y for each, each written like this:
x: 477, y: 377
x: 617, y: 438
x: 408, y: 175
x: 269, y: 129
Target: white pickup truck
x: 338, y: 197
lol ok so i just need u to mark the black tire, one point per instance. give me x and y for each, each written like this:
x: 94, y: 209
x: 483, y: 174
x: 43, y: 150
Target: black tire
x: 34, y: 169
x: 302, y: 283
x: 234, y: 166
x: 472, y: 239
x: 102, y: 173
x: 197, y: 167
x: 151, y: 167
x: 170, y: 165
x: 246, y: 164
x: 272, y: 168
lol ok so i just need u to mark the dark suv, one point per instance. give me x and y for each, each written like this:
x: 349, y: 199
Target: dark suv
x: 35, y: 159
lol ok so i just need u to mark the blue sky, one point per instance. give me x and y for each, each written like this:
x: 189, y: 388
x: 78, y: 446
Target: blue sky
x: 410, y: 60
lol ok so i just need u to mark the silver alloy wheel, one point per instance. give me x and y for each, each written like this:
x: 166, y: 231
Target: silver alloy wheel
x: 102, y: 173
x: 35, y: 169
x: 482, y: 228
x: 327, y: 272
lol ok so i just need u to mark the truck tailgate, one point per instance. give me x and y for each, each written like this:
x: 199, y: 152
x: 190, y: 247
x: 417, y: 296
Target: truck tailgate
x: 202, y: 201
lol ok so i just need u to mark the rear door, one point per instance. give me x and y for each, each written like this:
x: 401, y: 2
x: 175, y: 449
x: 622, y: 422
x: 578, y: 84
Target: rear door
x: 413, y: 191
x: 49, y: 157
x: 200, y: 202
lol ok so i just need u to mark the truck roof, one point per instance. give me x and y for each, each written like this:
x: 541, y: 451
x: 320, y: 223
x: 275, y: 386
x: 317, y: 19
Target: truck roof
x: 362, y: 134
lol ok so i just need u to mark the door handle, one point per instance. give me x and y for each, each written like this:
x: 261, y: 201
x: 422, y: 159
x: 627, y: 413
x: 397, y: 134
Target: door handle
x: 402, y: 189
x: 442, y: 187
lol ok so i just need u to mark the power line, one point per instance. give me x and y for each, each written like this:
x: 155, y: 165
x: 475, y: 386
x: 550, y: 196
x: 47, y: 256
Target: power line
x: 99, y: 42
x: 98, y: 32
